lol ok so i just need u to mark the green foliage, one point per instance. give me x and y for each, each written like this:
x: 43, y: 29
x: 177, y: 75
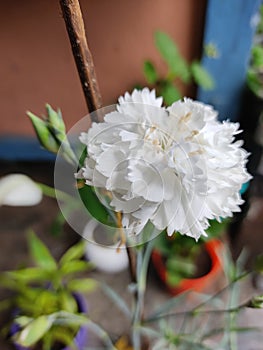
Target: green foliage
x: 255, y: 68
x: 201, y: 76
x: 51, y: 133
x: 180, y: 252
x: 44, y: 295
x: 177, y: 70
x: 150, y: 72
x: 255, y: 71
x: 95, y: 208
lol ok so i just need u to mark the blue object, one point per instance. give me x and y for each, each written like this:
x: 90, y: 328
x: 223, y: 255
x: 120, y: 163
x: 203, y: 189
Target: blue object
x: 19, y: 148
x: 230, y: 27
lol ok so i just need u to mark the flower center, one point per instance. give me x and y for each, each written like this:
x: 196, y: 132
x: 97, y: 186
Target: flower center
x: 158, y: 137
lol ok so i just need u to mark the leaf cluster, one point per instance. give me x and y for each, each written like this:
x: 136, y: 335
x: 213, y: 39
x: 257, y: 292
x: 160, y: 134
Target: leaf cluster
x: 44, y: 295
x: 178, y: 70
x: 180, y: 252
x: 255, y: 67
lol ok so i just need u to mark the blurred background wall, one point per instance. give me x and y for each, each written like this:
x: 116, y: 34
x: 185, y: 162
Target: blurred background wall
x: 36, y: 64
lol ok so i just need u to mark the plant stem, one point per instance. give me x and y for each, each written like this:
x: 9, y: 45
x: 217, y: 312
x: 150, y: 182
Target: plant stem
x: 76, y: 31
x: 143, y: 258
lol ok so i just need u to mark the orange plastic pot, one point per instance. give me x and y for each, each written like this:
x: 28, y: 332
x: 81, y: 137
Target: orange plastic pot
x: 214, y: 248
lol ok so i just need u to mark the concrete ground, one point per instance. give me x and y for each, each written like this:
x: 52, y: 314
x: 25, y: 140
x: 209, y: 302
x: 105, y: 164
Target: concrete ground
x: 13, y: 253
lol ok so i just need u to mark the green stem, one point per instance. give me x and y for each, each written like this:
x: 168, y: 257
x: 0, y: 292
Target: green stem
x: 143, y: 258
x: 139, y: 296
x: 52, y: 193
x: 193, y: 312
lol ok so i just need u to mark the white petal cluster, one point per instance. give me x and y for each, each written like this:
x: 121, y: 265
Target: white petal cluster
x: 176, y: 167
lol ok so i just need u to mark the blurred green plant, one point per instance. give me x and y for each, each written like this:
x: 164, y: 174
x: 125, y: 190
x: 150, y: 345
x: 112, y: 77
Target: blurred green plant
x: 178, y: 70
x: 181, y: 253
x: 47, y: 311
x: 255, y: 71
x: 164, y: 334
x: 255, y: 67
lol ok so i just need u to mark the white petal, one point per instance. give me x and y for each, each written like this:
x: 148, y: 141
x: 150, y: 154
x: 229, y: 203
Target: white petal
x: 19, y: 190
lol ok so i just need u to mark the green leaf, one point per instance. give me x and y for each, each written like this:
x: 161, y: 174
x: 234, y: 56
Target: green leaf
x: 30, y: 274
x: 74, y: 267
x: 95, y: 208
x: 257, y: 56
x: 73, y: 253
x: 43, y: 133
x: 40, y: 253
x: 68, y: 302
x: 170, y: 93
x: 55, y: 119
x: 170, y: 53
x: 47, y: 301
x: 82, y: 285
x: 117, y: 299
x: 202, y: 77
x: 34, y: 331
x: 150, y: 72
x: 59, y: 334
x: 23, y: 321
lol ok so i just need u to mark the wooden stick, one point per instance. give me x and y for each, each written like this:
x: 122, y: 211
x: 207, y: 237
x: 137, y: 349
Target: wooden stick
x: 83, y: 58
x: 84, y: 62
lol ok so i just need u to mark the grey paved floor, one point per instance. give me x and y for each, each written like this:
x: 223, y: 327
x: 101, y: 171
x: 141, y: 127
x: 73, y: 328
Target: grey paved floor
x: 15, y: 221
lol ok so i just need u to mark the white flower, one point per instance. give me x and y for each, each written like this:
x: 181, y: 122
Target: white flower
x: 19, y: 190
x: 175, y: 167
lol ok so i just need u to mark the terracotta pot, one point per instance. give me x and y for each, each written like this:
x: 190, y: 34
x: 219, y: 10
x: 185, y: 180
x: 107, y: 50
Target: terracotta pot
x: 199, y: 284
x: 80, y: 340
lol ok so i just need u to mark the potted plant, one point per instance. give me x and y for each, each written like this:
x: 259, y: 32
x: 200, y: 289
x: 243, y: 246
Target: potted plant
x: 47, y: 309
x: 252, y: 101
x: 183, y: 264
x: 179, y: 71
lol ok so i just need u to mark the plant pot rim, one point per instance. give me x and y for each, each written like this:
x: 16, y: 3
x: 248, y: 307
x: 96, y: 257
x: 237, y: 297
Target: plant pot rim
x: 198, y: 284
x: 80, y: 339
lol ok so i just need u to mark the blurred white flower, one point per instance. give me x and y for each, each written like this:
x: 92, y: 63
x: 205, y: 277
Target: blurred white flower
x: 19, y: 190
x: 176, y: 167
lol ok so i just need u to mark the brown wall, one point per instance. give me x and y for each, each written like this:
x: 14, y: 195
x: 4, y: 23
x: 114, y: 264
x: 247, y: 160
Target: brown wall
x: 36, y: 64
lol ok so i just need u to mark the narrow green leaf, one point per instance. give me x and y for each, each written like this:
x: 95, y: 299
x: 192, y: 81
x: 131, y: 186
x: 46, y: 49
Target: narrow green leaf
x: 34, y: 331
x: 74, y: 267
x: 116, y: 298
x: 170, y: 53
x: 30, y: 274
x: 23, y: 321
x: 73, y: 253
x: 82, y: 285
x: 95, y: 208
x: 166, y: 46
x: 170, y: 93
x: 68, y: 302
x: 168, y: 306
x: 202, y: 77
x: 150, y: 72
x: 40, y: 253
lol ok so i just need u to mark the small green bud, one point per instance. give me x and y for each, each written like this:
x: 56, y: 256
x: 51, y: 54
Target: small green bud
x: 55, y: 119
x: 43, y: 133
